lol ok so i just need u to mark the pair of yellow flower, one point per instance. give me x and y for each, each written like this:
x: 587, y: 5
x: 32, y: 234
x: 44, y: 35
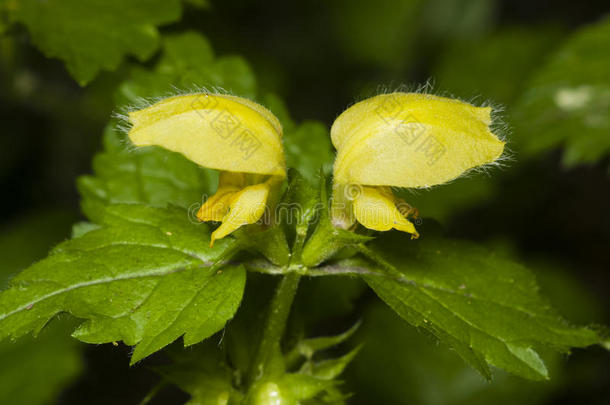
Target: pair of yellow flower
x: 405, y: 140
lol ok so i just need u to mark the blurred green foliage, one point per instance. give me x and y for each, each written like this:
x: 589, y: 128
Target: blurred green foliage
x: 187, y: 64
x: 494, y: 67
x: 386, y: 30
x: 35, y: 370
x: 567, y: 101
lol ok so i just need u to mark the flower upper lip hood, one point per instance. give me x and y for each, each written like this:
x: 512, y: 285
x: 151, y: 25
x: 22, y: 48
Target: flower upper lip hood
x: 411, y: 140
x: 237, y: 136
x: 406, y: 140
x: 217, y: 131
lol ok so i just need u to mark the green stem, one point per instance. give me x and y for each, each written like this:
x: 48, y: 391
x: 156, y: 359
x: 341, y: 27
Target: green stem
x: 269, y: 348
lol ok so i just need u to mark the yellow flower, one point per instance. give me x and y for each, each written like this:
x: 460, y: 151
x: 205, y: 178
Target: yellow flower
x: 403, y: 140
x: 240, y: 138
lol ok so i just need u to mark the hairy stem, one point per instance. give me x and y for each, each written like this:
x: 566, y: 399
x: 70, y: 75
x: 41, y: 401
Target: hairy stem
x: 269, y: 349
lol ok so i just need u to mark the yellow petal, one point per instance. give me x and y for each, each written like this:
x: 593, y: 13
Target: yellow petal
x: 216, y: 207
x: 218, y: 131
x: 376, y: 210
x: 261, y: 110
x: 411, y: 140
x: 247, y: 206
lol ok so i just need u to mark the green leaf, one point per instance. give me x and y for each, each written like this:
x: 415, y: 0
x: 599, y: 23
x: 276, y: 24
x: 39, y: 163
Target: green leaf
x: 147, y: 277
x: 302, y: 386
x: 308, y: 347
x: 568, y: 100
x: 484, y: 306
x: 331, y: 368
x: 96, y: 34
x: 81, y: 228
x: 304, y: 351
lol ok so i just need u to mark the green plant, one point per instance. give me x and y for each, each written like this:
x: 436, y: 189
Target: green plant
x: 141, y: 269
